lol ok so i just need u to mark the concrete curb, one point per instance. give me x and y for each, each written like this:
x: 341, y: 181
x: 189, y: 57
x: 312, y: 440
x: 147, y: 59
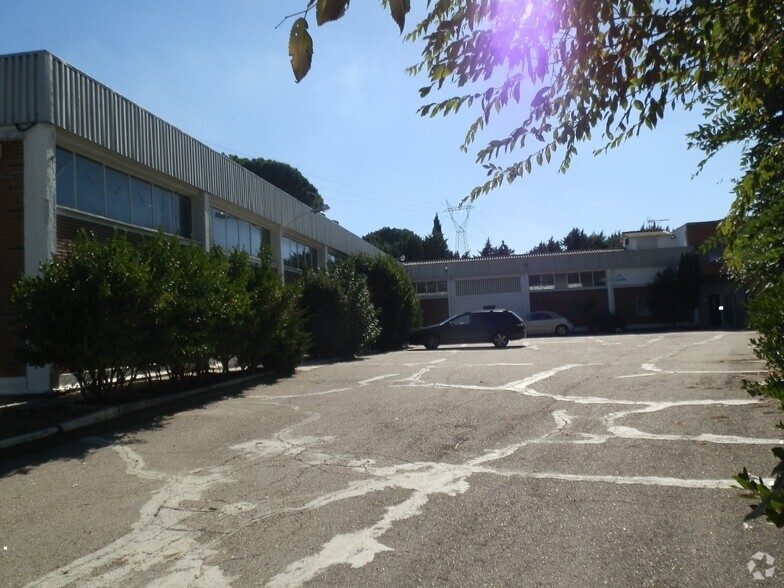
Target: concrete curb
x: 116, y: 412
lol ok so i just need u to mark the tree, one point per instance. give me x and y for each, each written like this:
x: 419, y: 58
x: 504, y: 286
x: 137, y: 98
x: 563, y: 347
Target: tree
x: 578, y: 240
x: 398, y: 242
x: 435, y: 244
x: 552, y: 246
x: 613, y: 68
x: 283, y: 176
x: 502, y: 250
x: 675, y: 292
x: 652, y: 226
x: 575, y: 240
x: 488, y: 250
x: 615, y: 240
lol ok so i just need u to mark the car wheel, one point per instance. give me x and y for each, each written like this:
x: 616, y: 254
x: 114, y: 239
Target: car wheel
x: 500, y: 339
x: 562, y: 330
x: 432, y: 342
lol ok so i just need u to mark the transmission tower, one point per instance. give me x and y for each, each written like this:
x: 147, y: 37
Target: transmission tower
x: 461, y: 237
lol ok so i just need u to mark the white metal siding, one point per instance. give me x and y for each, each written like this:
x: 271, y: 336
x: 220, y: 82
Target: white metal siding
x: 39, y: 87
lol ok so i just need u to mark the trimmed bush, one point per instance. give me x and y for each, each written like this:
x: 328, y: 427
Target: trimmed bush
x: 109, y: 311
x: 340, y: 316
x: 187, y: 286
x: 394, y: 297
x: 82, y: 314
x: 288, y: 341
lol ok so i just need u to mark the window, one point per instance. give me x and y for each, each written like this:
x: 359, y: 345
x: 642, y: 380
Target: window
x: 182, y: 215
x: 297, y: 255
x: 255, y: 241
x: 141, y: 203
x: 90, y: 186
x: 431, y: 287
x: 462, y: 320
x: 243, y: 242
x: 66, y: 191
x: 232, y: 232
x: 118, y: 195
x: 163, y: 210
x: 573, y: 281
x: 219, y: 228
x: 229, y: 233
x: 541, y: 282
x: 568, y: 280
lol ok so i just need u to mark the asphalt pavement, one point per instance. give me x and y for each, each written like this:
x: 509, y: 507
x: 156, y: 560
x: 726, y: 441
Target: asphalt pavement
x: 598, y: 461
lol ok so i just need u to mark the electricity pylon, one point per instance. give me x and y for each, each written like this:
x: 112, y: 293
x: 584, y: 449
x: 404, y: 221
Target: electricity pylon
x: 461, y: 236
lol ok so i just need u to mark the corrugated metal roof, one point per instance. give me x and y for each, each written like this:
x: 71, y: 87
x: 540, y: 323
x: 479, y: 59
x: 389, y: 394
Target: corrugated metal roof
x: 542, y: 263
x: 39, y: 87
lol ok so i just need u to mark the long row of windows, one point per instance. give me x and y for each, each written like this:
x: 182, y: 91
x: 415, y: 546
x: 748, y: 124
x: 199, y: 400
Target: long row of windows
x: 431, y: 287
x: 568, y: 280
x: 229, y: 232
x: 89, y: 186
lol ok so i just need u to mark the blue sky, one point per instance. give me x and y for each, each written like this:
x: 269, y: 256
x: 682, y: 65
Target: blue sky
x: 219, y: 70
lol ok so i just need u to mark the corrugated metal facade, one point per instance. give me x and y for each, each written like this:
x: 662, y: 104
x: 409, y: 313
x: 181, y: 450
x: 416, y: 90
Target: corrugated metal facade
x: 39, y: 87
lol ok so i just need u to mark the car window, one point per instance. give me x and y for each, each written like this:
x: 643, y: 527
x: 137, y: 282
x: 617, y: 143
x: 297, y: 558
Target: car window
x: 463, y: 319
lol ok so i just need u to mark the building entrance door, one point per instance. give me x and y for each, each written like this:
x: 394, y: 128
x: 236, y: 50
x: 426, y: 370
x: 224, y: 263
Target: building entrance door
x: 714, y: 310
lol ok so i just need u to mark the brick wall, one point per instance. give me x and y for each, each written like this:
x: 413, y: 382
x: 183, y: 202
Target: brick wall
x: 11, y: 249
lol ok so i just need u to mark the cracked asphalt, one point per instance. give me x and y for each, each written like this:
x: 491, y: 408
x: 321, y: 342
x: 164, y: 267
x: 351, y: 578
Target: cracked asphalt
x: 554, y: 462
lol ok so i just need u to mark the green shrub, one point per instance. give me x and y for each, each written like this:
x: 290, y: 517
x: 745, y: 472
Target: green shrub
x: 186, y: 298
x: 393, y: 296
x: 765, y: 313
x: 274, y: 335
x: 340, y: 316
x: 82, y: 314
x: 234, y: 315
x: 288, y: 340
x: 107, y: 312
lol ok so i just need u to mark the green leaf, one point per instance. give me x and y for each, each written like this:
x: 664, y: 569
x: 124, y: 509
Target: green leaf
x: 300, y: 49
x: 399, y: 9
x: 329, y: 10
x: 538, y: 99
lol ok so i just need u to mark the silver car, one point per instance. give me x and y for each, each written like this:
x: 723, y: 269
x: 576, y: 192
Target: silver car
x: 544, y: 322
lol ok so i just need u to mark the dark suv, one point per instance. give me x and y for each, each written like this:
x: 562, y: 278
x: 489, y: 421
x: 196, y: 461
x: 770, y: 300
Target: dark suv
x: 482, y: 326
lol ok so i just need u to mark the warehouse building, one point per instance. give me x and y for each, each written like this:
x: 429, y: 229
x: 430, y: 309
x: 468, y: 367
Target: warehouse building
x: 76, y: 155
x: 592, y: 289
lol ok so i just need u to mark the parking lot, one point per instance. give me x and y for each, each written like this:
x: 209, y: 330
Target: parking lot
x: 552, y: 462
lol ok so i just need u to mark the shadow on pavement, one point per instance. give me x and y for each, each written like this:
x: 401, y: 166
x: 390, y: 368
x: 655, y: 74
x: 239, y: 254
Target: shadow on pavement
x: 20, y: 459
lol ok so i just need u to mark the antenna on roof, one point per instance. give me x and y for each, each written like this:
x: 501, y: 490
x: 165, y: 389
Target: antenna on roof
x: 461, y: 236
x: 653, y: 223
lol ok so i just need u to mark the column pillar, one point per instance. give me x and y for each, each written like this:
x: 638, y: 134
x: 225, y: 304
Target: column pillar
x: 40, y: 219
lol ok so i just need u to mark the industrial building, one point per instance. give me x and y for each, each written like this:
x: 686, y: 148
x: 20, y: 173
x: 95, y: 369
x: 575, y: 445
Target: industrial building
x: 76, y: 155
x: 586, y: 287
